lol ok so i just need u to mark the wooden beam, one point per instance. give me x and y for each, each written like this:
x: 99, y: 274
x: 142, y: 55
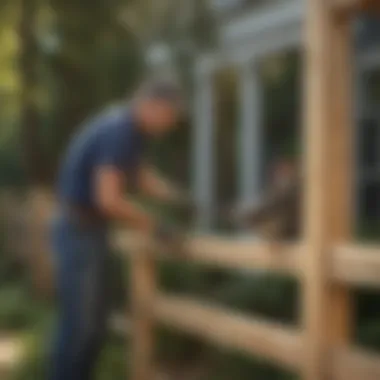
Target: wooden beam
x: 356, y: 265
x: 355, y: 364
x: 317, y: 118
x: 328, y: 167
x: 143, y: 287
x: 225, y: 252
x: 245, y: 255
x: 234, y: 331
x: 131, y: 243
x: 351, y: 264
x: 341, y: 164
x: 353, y: 6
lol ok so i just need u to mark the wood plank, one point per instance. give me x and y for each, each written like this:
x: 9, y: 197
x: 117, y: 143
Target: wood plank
x: 234, y: 331
x: 226, y: 253
x: 357, y: 265
x: 355, y: 364
x: 328, y: 212
x: 131, y: 243
x: 243, y: 254
x: 317, y: 120
x: 143, y: 288
x: 341, y: 164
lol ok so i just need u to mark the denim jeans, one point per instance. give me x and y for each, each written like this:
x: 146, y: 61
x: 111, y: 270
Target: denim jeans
x: 82, y: 270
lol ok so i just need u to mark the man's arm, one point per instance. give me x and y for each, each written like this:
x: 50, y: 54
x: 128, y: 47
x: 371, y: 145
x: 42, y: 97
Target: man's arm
x: 153, y: 185
x: 109, y: 196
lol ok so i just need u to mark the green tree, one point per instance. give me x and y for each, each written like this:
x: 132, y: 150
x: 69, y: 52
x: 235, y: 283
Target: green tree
x: 95, y: 61
x: 34, y: 159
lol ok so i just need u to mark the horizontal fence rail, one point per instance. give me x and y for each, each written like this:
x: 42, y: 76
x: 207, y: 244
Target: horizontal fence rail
x: 357, y: 265
x: 352, y: 264
x: 283, y: 345
x: 245, y: 254
x: 237, y: 254
x: 355, y: 364
x: 231, y: 330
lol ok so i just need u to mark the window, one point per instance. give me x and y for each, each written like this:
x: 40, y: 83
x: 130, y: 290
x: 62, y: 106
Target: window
x: 225, y: 138
x: 282, y: 76
x: 368, y: 136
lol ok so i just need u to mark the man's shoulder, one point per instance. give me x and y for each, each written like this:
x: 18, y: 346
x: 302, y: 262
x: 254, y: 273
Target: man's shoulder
x: 105, y: 122
x: 113, y: 115
x: 119, y: 117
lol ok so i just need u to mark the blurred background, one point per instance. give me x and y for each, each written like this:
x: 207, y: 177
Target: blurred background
x: 240, y: 62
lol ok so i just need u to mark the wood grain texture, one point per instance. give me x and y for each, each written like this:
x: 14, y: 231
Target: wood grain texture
x: 231, y: 330
x: 355, y: 364
x: 356, y: 265
x: 223, y: 252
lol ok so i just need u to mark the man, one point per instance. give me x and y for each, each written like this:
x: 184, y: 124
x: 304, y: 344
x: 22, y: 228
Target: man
x: 104, y: 161
x: 276, y: 215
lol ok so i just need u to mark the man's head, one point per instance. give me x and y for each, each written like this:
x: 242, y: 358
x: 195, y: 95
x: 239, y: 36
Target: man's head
x: 159, y: 107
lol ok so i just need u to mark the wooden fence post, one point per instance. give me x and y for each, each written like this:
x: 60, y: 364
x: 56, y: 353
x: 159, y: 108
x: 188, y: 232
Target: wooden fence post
x: 328, y: 170
x: 143, y: 287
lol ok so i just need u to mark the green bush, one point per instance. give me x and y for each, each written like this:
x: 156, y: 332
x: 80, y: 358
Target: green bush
x: 113, y: 363
x: 182, y: 278
x: 191, y: 279
x: 227, y: 366
x: 119, y: 282
x: 369, y: 334
x: 11, y: 169
x: 32, y: 365
x: 17, y: 309
x: 177, y: 348
x: 268, y: 295
x: 368, y: 231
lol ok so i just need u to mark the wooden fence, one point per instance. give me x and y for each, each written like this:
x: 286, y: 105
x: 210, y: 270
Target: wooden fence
x: 326, y: 262
x: 349, y: 265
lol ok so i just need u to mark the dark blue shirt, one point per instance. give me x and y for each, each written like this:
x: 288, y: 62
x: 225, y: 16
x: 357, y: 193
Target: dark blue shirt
x: 110, y: 139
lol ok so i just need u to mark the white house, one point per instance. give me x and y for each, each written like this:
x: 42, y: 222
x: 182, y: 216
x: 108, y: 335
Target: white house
x: 249, y: 31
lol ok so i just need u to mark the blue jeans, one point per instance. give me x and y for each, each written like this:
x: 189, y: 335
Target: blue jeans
x: 81, y: 262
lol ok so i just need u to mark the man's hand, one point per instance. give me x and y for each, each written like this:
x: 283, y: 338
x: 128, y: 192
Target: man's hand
x: 155, y: 186
x: 109, y: 185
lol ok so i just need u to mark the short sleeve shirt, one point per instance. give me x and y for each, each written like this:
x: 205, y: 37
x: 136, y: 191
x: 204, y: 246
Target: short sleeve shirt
x: 110, y: 139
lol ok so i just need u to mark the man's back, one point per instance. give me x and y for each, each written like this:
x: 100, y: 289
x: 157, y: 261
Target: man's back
x: 110, y: 138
